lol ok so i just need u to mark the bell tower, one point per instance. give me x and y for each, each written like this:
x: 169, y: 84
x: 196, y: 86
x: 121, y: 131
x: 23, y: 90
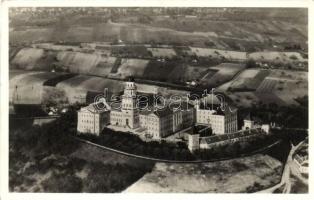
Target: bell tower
x: 129, y: 105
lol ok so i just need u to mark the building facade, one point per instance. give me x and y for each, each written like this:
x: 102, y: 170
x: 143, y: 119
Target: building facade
x: 220, y: 121
x: 128, y: 113
x: 91, y: 120
x: 250, y: 123
x: 155, y: 124
x: 158, y: 123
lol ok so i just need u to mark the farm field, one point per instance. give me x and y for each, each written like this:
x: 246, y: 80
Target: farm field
x: 119, y: 68
x: 216, y: 53
x: 74, y: 62
x: 103, y: 67
x: 30, y: 34
x: 129, y: 51
x: 162, y: 52
x: 98, y: 65
x: 244, y: 99
x: 229, y: 29
x: 221, y: 74
x: 278, y: 86
x: 249, y: 79
x: 157, y: 70
x: 267, y: 86
x: 231, y: 176
x: 132, y: 67
x: 79, y: 33
x: 27, y: 57
x: 27, y: 88
x: 183, y: 72
x: 84, y: 88
x: 78, y: 62
x: 195, y: 32
x: 278, y: 57
x: 30, y: 88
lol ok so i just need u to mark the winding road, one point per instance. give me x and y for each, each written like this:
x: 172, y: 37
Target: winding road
x: 287, y: 171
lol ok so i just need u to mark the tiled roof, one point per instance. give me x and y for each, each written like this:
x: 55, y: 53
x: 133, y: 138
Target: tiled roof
x: 217, y: 138
x: 96, y: 108
x: 163, y: 112
x: 182, y: 106
x: 166, y: 110
x: 228, y: 109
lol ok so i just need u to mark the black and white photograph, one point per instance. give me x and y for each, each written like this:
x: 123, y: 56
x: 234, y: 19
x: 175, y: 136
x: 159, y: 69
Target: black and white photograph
x: 158, y: 99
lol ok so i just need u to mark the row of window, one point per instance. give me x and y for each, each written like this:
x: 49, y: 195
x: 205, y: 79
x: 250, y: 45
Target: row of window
x: 88, y: 121
x: 87, y: 128
x: 116, y: 114
x: 116, y: 119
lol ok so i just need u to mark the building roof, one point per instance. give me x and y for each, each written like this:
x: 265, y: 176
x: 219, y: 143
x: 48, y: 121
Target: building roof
x: 220, y: 110
x: 197, y: 129
x: 163, y: 112
x: 130, y: 79
x: 166, y: 110
x: 182, y: 106
x: 251, y: 117
x: 223, y: 137
x: 158, y: 112
x: 146, y: 110
x: 95, y: 108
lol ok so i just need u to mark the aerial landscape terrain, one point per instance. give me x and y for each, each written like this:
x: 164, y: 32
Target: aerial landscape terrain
x: 67, y: 62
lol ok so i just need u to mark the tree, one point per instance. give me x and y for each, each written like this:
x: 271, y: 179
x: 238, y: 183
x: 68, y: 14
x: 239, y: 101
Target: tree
x: 251, y: 64
x: 60, y: 183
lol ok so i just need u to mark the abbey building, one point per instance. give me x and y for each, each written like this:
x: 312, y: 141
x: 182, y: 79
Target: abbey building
x: 153, y: 123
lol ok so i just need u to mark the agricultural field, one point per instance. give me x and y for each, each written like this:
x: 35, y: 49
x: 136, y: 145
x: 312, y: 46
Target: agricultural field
x: 248, y: 80
x: 132, y: 67
x: 27, y: 88
x: 27, y: 57
x: 244, y: 99
x: 157, y: 70
x: 103, y: 67
x: 162, y: 52
x: 183, y: 73
x: 40, y: 87
x: 216, y: 53
x: 83, y: 88
x: 277, y: 57
x: 267, y: 86
x: 268, y: 29
x: 220, y: 74
x: 78, y: 62
x: 74, y: 62
x: 30, y: 88
x: 282, y: 87
x: 252, y: 34
x: 130, y: 51
x: 79, y: 33
x: 30, y: 34
x: 290, y: 85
